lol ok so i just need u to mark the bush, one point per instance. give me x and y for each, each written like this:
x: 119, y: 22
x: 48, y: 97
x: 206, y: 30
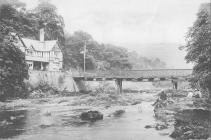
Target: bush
x: 43, y: 90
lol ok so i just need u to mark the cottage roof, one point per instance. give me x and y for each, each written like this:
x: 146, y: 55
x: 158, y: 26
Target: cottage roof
x: 39, y: 45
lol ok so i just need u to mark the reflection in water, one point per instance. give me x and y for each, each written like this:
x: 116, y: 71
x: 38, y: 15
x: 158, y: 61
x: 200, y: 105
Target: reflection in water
x: 12, y: 123
x: 62, y: 122
x: 52, y: 122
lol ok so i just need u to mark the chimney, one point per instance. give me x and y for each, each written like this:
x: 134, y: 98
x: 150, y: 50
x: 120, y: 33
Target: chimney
x: 42, y: 34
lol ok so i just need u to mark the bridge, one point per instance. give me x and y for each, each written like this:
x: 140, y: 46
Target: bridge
x: 133, y: 75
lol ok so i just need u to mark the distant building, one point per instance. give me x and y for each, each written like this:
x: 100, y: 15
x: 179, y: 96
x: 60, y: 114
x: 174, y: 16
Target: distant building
x: 41, y: 54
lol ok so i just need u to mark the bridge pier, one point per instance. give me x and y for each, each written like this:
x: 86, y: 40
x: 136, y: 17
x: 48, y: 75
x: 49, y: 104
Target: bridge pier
x: 81, y: 85
x: 119, y: 85
x: 175, y: 84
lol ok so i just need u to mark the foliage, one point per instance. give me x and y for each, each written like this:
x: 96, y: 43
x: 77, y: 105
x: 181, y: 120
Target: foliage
x: 102, y: 56
x: 140, y: 62
x: 45, y: 16
x: 28, y: 22
x: 44, y: 90
x: 13, y: 69
x: 116, y: 57
x: 198, y: 46
x: 15, y: 19
x: 74, y: 48
x: 95, y: 52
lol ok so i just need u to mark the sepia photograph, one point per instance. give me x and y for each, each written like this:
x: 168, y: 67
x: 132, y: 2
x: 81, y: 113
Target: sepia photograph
x: 105, y: 69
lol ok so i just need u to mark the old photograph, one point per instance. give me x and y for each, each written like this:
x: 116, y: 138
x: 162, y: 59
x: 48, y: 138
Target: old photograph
x: 105, y: 69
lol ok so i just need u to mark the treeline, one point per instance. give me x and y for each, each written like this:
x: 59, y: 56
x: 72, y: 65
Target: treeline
x: 103, y: 56
x: 198, y: 47
x: 98, y: 56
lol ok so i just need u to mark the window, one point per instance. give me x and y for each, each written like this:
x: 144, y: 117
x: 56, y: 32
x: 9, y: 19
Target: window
x: 29, y: 52
x: 29, y: 65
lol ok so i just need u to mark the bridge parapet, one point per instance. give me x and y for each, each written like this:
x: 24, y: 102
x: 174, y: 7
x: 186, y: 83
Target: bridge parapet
x: 157, y: 73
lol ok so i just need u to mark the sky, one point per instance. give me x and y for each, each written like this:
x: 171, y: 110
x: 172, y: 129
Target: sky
x: 143, y: 26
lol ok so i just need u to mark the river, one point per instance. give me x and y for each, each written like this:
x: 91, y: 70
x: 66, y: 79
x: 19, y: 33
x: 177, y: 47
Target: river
x: 54, y: 119
x: 53, y: 122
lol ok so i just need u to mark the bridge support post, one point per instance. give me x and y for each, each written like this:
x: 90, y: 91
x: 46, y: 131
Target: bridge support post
x: 81, y: 85
x: 119, y: 85
x: 175, y: 84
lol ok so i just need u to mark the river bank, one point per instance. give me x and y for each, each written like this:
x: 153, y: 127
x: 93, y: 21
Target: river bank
x: 190, y: 116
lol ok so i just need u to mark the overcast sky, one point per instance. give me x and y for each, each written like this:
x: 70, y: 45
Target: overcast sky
x: 129, y: 23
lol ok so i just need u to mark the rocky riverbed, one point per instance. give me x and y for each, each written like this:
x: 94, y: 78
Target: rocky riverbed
x: 146, y: 113
x: 190, y: 116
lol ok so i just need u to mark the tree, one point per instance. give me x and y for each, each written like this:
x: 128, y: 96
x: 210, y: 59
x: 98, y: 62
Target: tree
x: 74, y: 48
x: 198, y: 46
x: 14, y: 3
x: 13, y: 69
x: 98, y: 56
x: 14, y: 15
x: 45, y: 16
x: 117, y: 57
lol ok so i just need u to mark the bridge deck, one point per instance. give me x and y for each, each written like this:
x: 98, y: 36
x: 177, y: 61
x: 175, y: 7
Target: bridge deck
x: 134, y: 74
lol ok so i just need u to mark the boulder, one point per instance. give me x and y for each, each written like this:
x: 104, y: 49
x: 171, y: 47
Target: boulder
x: 91, y: 116
x: 136, y: 102
x: 161, y: 126
x: 149, y: 126
x: 118, y: 113
x: 190, y: 95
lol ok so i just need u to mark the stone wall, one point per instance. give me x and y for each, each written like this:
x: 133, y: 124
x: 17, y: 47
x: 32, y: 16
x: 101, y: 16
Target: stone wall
x: 60, y: 80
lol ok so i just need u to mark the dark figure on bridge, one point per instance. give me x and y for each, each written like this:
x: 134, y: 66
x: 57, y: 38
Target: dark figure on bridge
x: 175, y: 84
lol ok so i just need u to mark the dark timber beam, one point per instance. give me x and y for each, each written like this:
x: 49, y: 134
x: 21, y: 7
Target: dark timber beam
x: 174, y: 82
x: 119, y: 85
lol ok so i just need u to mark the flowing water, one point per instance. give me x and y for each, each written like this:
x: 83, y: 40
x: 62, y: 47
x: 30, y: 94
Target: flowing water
x: 60, y: 121
x: 53, y: 122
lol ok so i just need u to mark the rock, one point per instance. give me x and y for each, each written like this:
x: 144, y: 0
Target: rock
x: 188, y: 133
x: 91, y: 116
x: 47, y: 114
x: 118, y: 113
x: 44, y: 126
x: 190, y: 95
x: 12, y: 118
x: 149, y: 126
x: 175, y: 134
x: 196, y: 96
x: 62, y: 101
x: 164, y: 134
x: 163, y: 95
x: 161, y: 126
x: 136, y: 102
x: 5, y: 122
x: 107, y: 106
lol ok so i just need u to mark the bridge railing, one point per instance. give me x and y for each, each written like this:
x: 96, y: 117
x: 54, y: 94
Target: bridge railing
x: 135, y: 73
